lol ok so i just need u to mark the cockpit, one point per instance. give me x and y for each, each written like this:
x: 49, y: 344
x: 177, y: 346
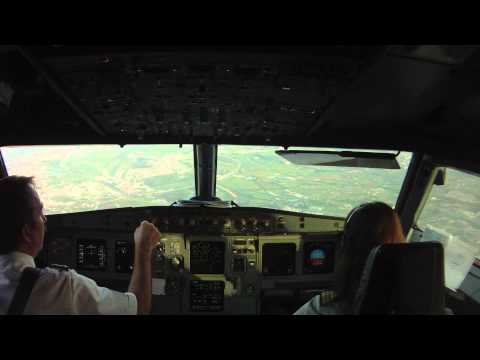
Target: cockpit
x: 247, y: 175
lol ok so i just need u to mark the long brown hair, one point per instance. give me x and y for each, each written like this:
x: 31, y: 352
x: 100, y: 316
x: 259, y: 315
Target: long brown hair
x: 366, y: 226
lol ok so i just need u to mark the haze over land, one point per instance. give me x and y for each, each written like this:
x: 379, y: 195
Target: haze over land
x: 256, y: 176
x: 83, y: 178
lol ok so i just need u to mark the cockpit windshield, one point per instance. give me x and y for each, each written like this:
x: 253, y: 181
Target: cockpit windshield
x: 78, y: 178
x: 257, y: 176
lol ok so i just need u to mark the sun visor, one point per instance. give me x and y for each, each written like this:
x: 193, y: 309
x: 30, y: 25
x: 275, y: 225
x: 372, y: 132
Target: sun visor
x: 341, y: 158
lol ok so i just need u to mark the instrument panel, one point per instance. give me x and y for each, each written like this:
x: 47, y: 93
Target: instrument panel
x: 225, y: 264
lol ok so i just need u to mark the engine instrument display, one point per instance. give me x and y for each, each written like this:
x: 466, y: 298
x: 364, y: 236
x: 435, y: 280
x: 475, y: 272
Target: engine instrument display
x: 206, y: 295
x: 91, y: 254
x: 278, y: 259
x: 207, y: 257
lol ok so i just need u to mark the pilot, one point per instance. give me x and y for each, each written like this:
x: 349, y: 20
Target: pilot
x: 59, y: 291
x: 366, y: 227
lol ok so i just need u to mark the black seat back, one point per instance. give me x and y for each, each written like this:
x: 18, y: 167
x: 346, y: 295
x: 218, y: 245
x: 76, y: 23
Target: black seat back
x: 403, y: 279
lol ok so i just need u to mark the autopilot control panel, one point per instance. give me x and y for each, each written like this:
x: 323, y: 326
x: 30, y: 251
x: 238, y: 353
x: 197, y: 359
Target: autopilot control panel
x: 209, y: 261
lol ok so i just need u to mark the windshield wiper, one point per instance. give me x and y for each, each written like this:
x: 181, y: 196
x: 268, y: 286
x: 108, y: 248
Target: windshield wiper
x: 203, y: 203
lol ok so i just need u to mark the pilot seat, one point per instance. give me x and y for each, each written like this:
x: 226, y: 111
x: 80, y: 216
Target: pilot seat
x: 403, y: 279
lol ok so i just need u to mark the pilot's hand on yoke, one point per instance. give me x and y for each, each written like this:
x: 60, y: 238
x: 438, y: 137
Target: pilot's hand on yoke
x: 146, y: 237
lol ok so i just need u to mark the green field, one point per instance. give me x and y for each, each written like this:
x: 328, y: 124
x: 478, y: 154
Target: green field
x: 256, y: 176
x: 82, y: 178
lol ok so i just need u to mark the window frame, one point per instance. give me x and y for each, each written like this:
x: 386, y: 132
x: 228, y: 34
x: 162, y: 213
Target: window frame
x: 427, y: 195
x: 3, y: 166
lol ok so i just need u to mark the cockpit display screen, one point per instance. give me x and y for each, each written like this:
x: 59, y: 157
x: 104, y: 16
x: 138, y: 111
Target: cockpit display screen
x: 91, y: 254
x: 207, y: 257
x: 317, y: 257
x: 278, y: 259
x: 124, y: 252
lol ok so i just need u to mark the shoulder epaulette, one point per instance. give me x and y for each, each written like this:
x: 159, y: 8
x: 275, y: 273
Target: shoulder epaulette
x: 60, y: 267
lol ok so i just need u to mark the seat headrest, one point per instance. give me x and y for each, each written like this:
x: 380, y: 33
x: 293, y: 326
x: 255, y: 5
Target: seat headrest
x: 403, y: 279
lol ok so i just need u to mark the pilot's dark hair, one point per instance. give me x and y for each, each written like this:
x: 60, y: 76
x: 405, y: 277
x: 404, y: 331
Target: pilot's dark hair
x: 16, y: 209
x: 366, y: 227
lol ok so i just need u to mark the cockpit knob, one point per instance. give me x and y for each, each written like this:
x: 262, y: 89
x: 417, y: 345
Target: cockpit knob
x: 176, y: 262
x: 241, y: 224
x: 159, y: 253
x: 264, y: 224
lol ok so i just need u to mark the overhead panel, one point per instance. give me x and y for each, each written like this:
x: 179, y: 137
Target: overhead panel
x: 192, y: 95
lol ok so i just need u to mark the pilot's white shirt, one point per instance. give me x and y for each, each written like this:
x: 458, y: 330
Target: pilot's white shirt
x: 315, y: 307
x: 58, y: 292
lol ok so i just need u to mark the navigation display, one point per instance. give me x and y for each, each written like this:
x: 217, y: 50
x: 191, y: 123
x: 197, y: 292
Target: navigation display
x: 207, y: 257
x: 91, y: 254
x: 278, y: 259
x: 317, y: 257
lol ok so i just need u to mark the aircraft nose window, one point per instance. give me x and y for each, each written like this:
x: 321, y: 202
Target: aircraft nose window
x: 257, y: 176
x: 92, y: 177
